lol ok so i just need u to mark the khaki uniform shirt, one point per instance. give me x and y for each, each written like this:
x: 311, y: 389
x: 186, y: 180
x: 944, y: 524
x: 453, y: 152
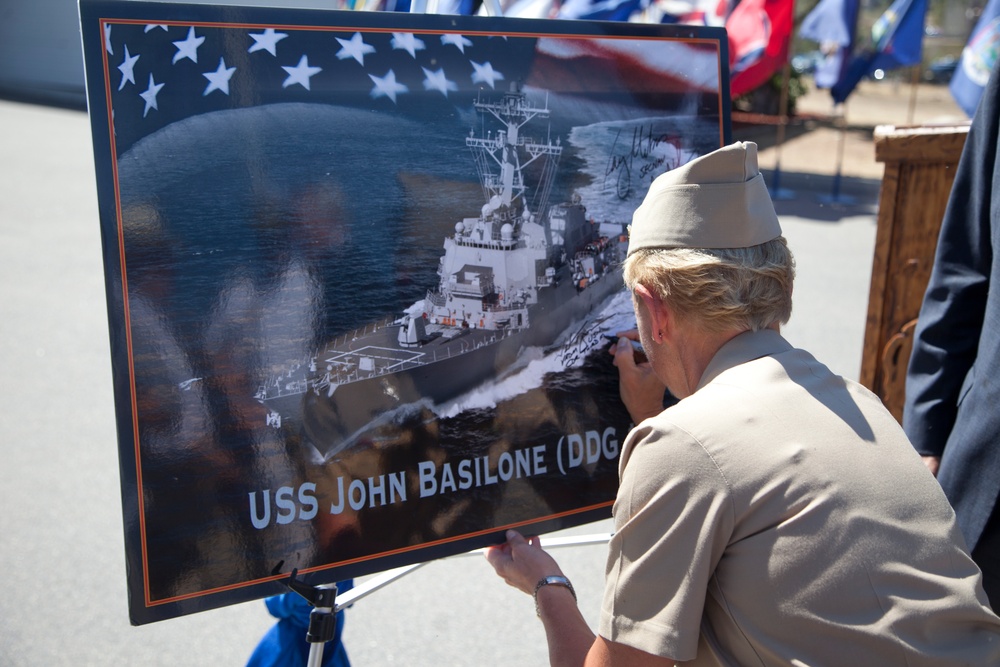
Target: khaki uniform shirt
x: 779, y: 516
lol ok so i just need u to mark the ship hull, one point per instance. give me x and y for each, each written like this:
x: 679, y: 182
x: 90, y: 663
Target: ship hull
x: 331, y: 417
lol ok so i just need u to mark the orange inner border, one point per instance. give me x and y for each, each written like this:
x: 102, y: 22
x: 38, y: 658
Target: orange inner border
x: 104, y: 23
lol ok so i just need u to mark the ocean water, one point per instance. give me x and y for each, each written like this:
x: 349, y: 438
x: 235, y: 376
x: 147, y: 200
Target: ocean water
x: 251, y: 238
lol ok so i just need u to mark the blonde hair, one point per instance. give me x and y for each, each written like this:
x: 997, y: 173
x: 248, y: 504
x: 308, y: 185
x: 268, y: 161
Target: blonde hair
x: 743, y: 288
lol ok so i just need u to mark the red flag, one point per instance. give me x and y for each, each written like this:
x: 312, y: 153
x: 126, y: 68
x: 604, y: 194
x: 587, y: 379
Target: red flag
x: 759, y: 34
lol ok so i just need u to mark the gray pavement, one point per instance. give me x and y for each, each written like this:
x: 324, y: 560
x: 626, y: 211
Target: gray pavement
x: 63, y: 599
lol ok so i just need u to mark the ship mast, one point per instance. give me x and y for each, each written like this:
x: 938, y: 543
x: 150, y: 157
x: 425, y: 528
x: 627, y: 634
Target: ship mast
x: 499, y: 158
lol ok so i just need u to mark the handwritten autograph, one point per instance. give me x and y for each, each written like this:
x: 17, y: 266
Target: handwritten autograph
x: 642, y: 158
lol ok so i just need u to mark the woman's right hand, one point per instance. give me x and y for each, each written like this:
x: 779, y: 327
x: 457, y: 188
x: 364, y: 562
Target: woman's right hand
x: 641, y: 391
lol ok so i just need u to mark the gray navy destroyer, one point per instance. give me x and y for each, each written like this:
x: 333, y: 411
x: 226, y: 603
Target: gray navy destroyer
x: 518, y: 274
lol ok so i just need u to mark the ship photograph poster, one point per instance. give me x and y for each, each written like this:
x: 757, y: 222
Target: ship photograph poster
x: 362, y: 269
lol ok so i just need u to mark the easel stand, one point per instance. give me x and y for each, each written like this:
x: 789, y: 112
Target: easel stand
x: 384, y: 579
x: 322, y: 619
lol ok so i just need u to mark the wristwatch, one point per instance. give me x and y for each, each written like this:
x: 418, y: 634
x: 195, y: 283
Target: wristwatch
x: 552, y: 580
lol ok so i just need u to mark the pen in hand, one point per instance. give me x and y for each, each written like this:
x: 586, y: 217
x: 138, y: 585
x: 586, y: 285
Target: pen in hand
x: 640, y: 354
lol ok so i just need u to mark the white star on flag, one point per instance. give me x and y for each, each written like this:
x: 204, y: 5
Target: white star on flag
x: 391, y: 65
x: 485, y: 74
x: 300, y: 74
x: 126, y: 68
x: 266, y: 41
x: 406, y: 41
x: 153, y: 26
x: 354, y: 47
x: 458, y: 41
x: 188, y: 48
x: 219, y: 79
x: 437, y: 81
x: 150, y: 95
x: 107, y: 39
x: 386, y: 86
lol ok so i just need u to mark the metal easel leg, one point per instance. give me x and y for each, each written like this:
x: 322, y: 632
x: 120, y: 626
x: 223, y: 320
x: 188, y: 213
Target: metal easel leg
x: 323, y: 617
x: 384, y: 579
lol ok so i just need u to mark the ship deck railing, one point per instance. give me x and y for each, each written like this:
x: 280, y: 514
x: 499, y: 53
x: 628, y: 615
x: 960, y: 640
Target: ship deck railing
x: 370, y: 328
x: 500, y: 308
x: 439, y: 301
x: 270, y: 390
x: 492, y: 244
x: 275, y: 389
x: 396, y: 365
x: 435, y: 298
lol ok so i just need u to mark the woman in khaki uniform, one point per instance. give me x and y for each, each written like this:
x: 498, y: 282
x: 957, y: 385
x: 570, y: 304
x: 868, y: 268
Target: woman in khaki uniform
x: 776, y: 514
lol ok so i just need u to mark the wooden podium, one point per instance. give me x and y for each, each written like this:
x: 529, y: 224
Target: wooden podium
x: 920, y: 167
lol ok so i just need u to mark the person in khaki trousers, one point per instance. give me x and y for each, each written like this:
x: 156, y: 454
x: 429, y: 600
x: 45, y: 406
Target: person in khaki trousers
x: 776, y: 514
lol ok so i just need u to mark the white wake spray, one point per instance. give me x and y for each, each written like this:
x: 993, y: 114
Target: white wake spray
x: 533, y: 364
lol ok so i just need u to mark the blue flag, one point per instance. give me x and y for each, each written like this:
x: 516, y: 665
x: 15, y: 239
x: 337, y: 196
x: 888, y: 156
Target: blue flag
x: 897, y: 41
x: 601, y: 10
x: 978, y: 58
x: 831, y: 24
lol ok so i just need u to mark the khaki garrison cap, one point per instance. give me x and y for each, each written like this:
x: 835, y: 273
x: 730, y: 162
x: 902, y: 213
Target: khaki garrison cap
x: 718, y: 200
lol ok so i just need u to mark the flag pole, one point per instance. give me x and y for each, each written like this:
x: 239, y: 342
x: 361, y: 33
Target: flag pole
x: 835, y: 197
x: 786, y: 75
x: 914, y: 83
x: 777, y: 192
x: 842, y: 121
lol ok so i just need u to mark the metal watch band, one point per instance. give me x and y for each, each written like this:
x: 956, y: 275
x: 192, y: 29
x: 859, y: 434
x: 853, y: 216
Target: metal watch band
x: 552, y: 580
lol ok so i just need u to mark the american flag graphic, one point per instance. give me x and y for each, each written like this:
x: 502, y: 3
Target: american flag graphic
x: 160, y: 73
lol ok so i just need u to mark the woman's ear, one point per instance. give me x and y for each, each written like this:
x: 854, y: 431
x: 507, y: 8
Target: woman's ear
x: 645, y: 295
x: 659, y: 314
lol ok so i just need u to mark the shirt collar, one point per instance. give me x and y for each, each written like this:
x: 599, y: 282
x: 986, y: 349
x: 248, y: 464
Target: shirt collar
x: 745, y: 347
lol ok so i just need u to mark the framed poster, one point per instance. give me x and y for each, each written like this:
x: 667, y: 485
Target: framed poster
x: 360, y: 268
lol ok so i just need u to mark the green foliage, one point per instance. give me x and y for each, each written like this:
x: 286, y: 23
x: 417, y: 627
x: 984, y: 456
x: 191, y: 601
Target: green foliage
x: 766, y: 99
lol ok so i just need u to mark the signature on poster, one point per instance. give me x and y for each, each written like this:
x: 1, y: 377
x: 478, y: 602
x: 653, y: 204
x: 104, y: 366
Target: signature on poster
x: 650, y: 153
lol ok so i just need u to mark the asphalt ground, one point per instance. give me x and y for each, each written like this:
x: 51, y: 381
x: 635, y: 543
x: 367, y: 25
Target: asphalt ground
x: 63, y: 599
